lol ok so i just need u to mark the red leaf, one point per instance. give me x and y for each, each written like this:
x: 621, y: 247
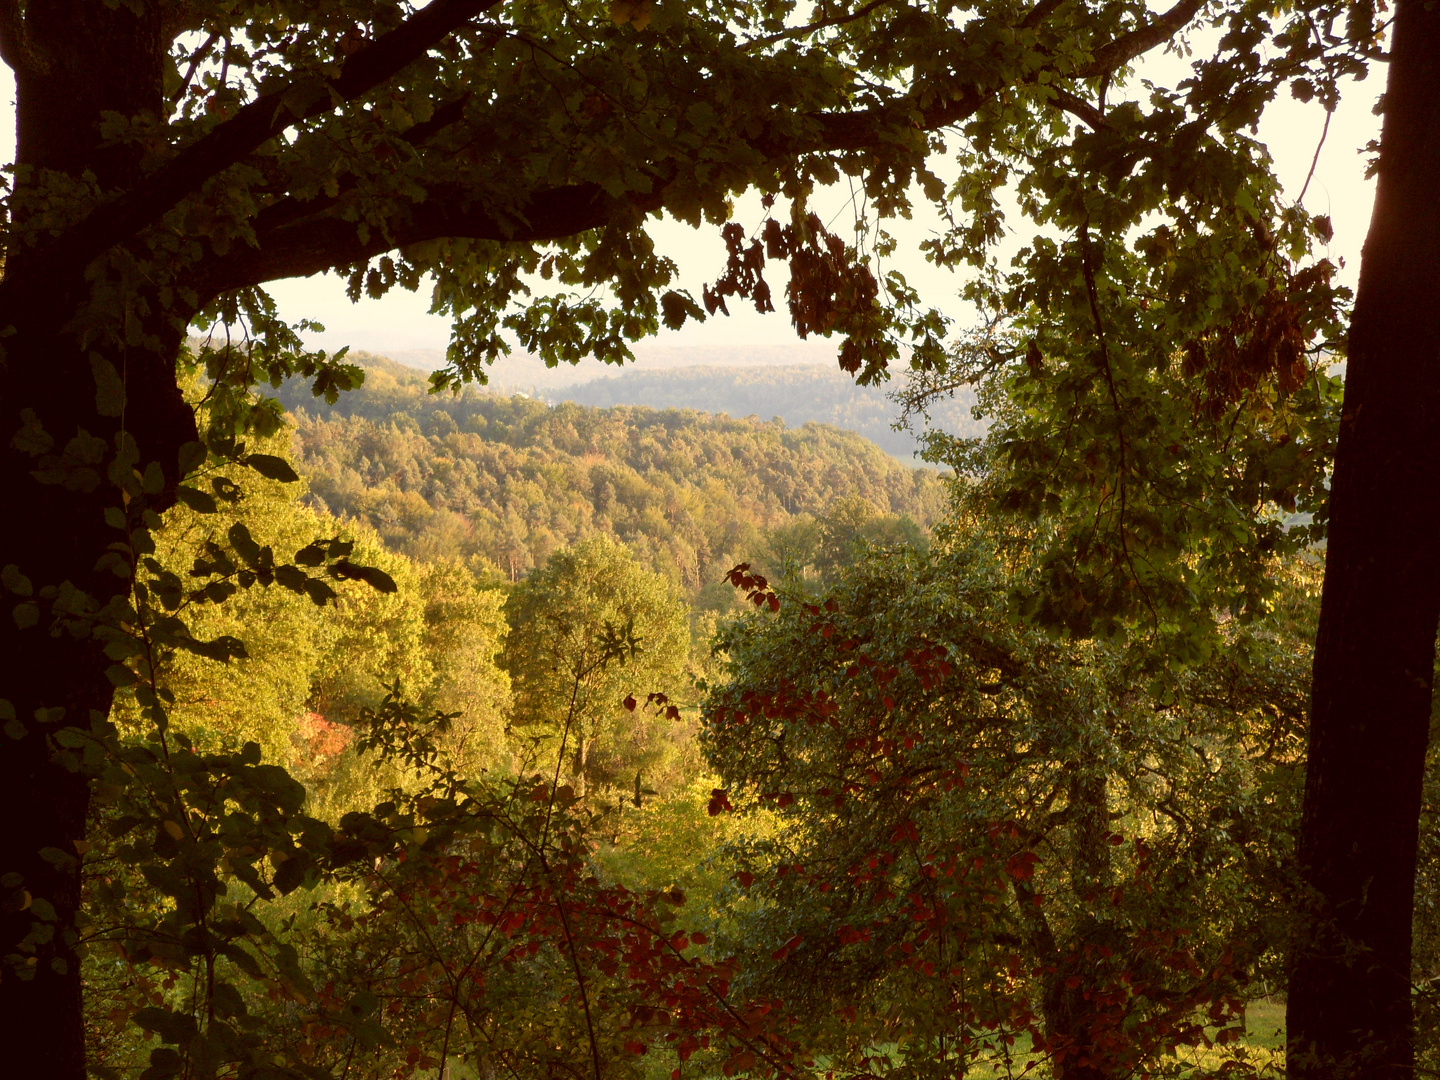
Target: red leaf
x: 1022, y: 866
x: 719, y: 802
x: 905, y: 831
x: 629, y: 702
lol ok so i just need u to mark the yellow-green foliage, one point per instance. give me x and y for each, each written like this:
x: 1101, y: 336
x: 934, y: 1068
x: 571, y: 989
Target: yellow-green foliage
x: 590, y: 629
x: 309, y: 670
x: 464, y: 633
x: 513, y: 480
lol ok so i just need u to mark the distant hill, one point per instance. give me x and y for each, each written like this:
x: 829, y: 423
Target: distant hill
x: 798, y: 383
x: 522, y: 372
x: 510, y: 479
x: 796, y: 393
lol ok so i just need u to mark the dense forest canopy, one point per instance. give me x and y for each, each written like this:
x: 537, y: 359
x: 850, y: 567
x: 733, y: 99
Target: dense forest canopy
x: 1166, y: 442
x: 1083, y: 870
x: 511, y: 479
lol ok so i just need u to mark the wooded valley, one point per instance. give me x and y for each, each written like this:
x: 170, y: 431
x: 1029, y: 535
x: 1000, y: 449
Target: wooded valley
x: 359, y: 726
x: 509, y: 479
x: 867, y: 823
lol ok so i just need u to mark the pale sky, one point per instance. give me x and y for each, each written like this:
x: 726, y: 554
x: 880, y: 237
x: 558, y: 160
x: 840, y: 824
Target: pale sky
x: 401, y: 321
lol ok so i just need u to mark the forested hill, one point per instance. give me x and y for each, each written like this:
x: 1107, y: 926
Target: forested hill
x: 511, y: 479
x: 797, y: 392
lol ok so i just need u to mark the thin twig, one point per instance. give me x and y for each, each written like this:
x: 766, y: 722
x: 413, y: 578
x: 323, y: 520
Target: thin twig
x: 822, y: 24
x: 1314, y: 161
x: 196, y: 59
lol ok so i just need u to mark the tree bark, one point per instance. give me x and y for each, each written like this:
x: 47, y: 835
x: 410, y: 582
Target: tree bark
x: 54, y: 534
x: 1072, y: 1019
x: 1349, y: 1012
x: 81, y: 61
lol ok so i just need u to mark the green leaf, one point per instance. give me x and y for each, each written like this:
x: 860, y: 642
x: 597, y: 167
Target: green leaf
x: 244, y: 545
x: 292, y: 578
x: 196, y: 499
x: 121, y: 676
x: 191, y: 456
x: 371, y: 575
x: 319, y: 592
x: 164, y: 1064
x: 225, y: 488
x: 272, y: 467
x: 311, y: 554
x: 227, y: 1000
x: 109, y: 389
x: 26, y: 615
x: 171, y: 1026
x: 32, y: 438
x: 15, y: 581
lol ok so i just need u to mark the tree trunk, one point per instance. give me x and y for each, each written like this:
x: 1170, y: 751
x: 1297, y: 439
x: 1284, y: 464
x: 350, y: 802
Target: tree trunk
x: 1349, y: 1012
x: 1070, y: 1013
x: 52, y: 530
x: 54, y: 536
x: 582, y: 755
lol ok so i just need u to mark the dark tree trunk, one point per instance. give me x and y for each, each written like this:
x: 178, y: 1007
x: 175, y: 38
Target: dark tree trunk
x: 52, y: 528
x: 54, y: 536
x: 1349, y: 998
x: 1069, y: 1011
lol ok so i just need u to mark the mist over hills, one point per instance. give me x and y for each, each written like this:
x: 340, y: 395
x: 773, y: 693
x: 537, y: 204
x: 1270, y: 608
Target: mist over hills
x: 795, y: 393
x: 528, y: 374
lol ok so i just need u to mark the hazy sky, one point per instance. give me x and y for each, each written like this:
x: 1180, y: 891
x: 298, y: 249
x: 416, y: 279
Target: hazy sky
x: 1291, y: 130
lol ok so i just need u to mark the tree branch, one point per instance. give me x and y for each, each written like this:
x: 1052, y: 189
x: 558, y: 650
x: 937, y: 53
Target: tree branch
x: 1138, y: 42
x: 1080, y: 109
x: 810, y: 28
x: 253, y: 126
x: 289, y: 210
x: 15, y: 47
x: 300, y: 239
x: 863, y: 128
x: 1039, y: 13
x: 316, y: 244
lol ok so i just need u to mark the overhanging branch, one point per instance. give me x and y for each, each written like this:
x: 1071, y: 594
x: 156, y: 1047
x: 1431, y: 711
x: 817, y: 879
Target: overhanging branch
x: 253, y: 126
x: 298, y: 239
x: 318, y: 244
x: 1127, y: 47
x: 865, y: 128
x: 1080, y: 109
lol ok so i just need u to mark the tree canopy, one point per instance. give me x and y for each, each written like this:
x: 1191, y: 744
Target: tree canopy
x: 1157, y: 352
x: 510, y: 480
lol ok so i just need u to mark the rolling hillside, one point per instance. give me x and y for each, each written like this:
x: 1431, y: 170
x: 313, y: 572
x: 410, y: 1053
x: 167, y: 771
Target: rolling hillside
x: 510, y: 479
